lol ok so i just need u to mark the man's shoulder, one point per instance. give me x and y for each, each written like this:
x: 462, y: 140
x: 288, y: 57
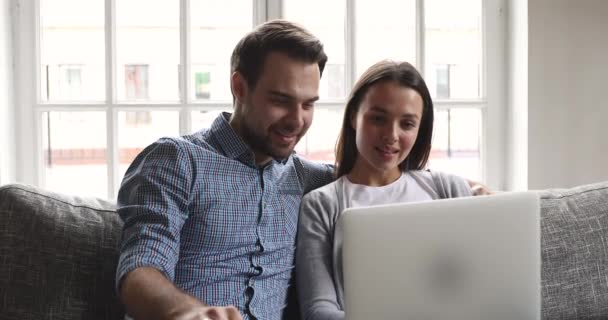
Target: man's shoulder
x: 313, y: 174
x: 312, y: 167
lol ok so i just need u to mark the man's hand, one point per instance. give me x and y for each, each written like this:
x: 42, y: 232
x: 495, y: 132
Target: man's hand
x: 479, y: 189
x: 148, y: 295
x: 208, y: 313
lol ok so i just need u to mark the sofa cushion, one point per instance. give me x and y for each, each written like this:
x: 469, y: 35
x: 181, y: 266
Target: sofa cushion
x: 574, y: 242
x: 58, y: 255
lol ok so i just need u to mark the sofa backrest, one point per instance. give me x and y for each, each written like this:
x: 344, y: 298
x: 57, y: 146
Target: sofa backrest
x: 574, y: 250
x: 58, y: 256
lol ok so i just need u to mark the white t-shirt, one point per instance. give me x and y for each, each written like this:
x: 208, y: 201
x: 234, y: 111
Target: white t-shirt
x: 404, y: 189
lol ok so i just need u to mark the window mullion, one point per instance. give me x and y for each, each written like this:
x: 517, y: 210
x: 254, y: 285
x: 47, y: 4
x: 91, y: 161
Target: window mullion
x: 112, y: 147
x: 351, y: 57
x: 184, y: 74
x: 259, y: 11
x: 420, y: 38
x: 111, y: 112
x: 274, y: 9
x: 110, y: 38
x: 40, y: 177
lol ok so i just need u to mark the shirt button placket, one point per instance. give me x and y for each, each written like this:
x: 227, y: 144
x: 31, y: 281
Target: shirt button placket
x: 256, y: 255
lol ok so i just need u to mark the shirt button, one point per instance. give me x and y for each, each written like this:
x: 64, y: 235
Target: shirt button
x: 258, y: 270
x: 251, y: 282
x: 265, y: 205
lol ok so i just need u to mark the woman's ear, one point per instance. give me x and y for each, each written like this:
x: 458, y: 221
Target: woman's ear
x: 238, y: 86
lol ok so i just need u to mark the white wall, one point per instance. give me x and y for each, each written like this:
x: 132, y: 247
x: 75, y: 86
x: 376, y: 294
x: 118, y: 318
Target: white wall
x: 567, y: 92
x: 7, y: 115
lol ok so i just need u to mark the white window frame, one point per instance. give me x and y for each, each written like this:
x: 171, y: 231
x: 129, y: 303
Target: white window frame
x: 29, y: 107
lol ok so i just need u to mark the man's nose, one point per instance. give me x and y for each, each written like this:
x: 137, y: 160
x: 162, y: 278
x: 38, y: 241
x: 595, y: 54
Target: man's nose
x: 296, y: 116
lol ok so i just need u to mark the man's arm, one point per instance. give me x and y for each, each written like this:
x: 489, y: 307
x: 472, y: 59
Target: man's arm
x: 149, y: 295
x: 152, y: 203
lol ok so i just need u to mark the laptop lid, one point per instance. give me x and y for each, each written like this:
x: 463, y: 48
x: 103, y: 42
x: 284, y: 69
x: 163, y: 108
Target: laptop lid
x: 462, y: 258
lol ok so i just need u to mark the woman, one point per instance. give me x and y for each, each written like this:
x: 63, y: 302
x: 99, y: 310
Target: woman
x: 381, y: 155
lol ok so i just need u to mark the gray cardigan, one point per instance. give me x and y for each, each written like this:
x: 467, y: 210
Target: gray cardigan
x: 318, y: 254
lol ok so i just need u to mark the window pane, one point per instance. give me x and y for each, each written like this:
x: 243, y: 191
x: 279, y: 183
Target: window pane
x: 202, y: 119
x: 147, y: 50
x: 74, y: 148
x: 320, y: 141
x: 453, y: 48
x: 216, y: 27
x: 138, y: 129
x: 456, y: 142
x: 72, y: 50
x: 325, y: 19
x: 385, y: 29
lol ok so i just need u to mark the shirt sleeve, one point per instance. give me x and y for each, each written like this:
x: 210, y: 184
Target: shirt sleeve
x: 314, y: 276
x: 153, y: 202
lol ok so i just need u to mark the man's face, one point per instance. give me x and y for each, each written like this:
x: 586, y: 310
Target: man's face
x: 277, y: 112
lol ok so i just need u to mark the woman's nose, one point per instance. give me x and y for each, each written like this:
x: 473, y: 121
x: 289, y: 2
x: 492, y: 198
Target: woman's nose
x: 390, y: 134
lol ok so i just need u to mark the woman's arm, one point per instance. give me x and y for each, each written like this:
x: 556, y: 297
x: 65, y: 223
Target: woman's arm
x: 314, y: 275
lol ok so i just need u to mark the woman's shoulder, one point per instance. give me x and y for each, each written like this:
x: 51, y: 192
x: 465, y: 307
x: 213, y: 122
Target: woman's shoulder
x: 447, y: 185
x: 325, y: 193
x: 433, y: 175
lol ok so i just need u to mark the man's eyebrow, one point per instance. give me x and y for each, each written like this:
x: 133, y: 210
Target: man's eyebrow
x: 280, y: 94
x: 312, y: 99
x: 289, y: 97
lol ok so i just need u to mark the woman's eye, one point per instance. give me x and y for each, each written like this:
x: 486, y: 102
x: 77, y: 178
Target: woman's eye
x: 377, y: 119
x: 408, y: 125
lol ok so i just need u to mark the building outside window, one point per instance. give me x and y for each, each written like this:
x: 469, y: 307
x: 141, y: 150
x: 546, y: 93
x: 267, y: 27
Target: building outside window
x: 136, y: 82
x: 202, y: 81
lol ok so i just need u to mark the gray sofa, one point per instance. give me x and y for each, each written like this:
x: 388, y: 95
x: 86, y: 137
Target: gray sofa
x: 58, y: 254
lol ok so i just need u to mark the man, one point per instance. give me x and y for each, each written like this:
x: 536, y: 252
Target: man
x: 210, y: 218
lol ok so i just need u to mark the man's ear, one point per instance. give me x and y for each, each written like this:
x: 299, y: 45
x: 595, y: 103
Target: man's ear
x: 239, y: 88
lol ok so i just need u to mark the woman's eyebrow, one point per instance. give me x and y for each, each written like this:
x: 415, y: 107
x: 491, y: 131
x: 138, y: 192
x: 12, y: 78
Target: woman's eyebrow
x: 407, y: 115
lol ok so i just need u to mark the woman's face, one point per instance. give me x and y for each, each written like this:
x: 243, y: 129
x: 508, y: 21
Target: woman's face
x: 386, y: 127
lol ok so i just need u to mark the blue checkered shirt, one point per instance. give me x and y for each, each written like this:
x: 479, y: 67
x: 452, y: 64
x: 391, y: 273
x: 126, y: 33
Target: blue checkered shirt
x: 198, y: 209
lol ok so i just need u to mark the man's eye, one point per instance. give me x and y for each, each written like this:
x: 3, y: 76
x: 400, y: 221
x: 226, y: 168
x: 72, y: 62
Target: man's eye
x: 309, y: 105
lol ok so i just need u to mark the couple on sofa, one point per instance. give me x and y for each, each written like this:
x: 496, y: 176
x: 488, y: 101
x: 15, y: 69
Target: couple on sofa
x: 211, y: 219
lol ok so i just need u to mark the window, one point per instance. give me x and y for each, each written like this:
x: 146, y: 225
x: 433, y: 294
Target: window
x: 446, y: 47
x: 113, y: 76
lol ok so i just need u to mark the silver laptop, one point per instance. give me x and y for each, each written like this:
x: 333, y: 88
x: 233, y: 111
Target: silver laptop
x: 463, y: 258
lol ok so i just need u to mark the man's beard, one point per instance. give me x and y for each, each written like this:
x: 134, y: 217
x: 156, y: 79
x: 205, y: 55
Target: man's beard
x: 263, y: 143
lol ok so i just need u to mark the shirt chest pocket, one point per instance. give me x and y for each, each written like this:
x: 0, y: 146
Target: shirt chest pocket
x: 290, y: 202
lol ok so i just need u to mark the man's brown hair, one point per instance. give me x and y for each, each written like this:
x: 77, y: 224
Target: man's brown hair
x: 250, y: 53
